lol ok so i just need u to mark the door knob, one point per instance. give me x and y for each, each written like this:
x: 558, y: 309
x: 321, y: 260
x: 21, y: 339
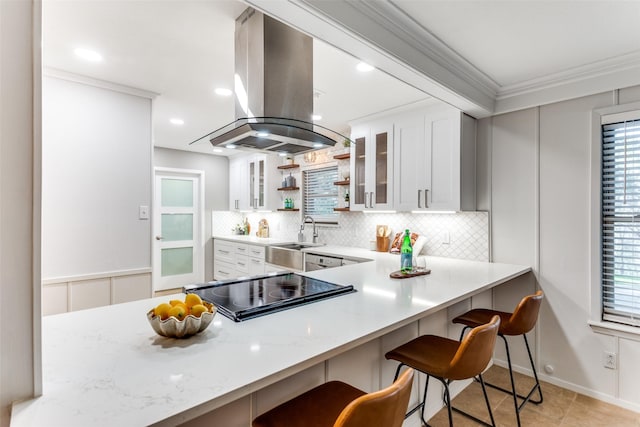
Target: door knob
x: 159, y: 237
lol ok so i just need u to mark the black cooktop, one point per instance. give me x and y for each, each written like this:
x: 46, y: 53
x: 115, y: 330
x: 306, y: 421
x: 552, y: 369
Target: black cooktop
x: 249, y: 297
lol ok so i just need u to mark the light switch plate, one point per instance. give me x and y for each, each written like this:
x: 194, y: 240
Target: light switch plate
x: 143, y: 212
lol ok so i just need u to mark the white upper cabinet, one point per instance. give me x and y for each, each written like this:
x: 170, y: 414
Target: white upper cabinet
x: 434, y: 154
x: 238, y: 183
x: 253, y: 182
x: 372, y: 166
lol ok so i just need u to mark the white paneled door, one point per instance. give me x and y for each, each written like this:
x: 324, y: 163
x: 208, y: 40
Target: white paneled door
x: 178, y: 251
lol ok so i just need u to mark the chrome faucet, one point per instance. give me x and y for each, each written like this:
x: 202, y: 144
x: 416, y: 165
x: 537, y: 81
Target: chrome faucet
x: 315, y: 231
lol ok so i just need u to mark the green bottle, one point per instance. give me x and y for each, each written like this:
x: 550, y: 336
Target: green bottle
x: 406, y: 254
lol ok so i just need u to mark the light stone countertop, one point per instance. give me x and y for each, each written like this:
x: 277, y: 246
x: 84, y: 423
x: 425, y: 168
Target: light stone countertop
x: 106, y: 366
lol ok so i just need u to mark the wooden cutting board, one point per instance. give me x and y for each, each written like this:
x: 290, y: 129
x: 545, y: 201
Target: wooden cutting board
x: 400, y: 275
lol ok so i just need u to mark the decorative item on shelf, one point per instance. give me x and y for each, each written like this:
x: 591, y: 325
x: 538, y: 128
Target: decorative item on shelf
x: 346, y: 199
x: 346, y: 142
x: 310, y: 157
x: 290, y: 181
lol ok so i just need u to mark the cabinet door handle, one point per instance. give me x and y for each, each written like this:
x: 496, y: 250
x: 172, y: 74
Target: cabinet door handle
x: 365, y: 199
x: 371, y: 199
x: 426, y: 199
x: 419, y: 191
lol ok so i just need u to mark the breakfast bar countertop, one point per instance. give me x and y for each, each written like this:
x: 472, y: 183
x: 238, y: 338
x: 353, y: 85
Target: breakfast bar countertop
x: 106, y: 366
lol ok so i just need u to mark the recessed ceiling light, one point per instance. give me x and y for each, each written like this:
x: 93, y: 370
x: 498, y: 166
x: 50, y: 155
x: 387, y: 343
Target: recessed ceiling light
x: 88, y: 54
x: 262, y: 134
x: 222, y: 91
x: 217, y: 150
x: 318, y: 145
x: 316, y: 117
x: 176, y: 121
x: 282, y: 154
x: 230, y: 146
x: 364, y: 67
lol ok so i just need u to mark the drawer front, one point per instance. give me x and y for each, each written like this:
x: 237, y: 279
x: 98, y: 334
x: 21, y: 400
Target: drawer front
x: 256, y: 252
x: 242, y: 265
x: 223, y: 251
x: 241, y: 249
x: 256, y: 266
x: 223, y: 270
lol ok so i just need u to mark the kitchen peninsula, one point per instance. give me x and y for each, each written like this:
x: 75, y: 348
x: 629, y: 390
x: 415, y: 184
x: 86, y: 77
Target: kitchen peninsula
x: 106, y: 366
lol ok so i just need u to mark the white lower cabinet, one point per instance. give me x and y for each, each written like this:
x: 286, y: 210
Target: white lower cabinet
x: 233, y: 259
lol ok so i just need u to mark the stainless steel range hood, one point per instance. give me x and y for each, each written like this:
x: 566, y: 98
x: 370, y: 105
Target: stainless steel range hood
x: 273, y: 90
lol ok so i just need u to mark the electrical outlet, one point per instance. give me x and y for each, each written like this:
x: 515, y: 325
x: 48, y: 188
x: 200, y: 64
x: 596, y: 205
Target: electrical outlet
x: 143, y: 212
x: 610, y: 360
x: 446, y: 238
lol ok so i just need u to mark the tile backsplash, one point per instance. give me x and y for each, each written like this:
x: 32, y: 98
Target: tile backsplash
x: 467, y: 233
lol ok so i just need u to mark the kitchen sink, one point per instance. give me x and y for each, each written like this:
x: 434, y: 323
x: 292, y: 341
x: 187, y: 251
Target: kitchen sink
x: 289, y: 255
x: 298, y: 246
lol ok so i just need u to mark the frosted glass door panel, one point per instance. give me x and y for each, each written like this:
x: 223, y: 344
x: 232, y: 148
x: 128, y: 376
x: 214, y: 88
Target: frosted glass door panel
x: 177, y: 261
x: 360, y: 171
x: 178, y: 252
x: 177, y: 227
x: 177, y: 193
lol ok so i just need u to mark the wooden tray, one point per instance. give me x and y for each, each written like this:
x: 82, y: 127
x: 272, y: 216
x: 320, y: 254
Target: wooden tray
x: 400, y: 275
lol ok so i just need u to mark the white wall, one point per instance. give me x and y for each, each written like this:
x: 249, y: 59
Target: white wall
x: 535, y: 175
x: 19, y: 204
x: 216, y: 187
x: 96, y: 173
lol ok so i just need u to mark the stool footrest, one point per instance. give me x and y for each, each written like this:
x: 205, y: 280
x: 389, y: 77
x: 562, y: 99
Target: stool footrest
x: 471, y: 417
x: 526, y: 399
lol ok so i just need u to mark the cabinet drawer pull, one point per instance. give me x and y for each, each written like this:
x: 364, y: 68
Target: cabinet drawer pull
x: 222, y: 251
x: 240, y: 263
x: 223, y: 272
x: 419, y: 191
x: 426, y: 201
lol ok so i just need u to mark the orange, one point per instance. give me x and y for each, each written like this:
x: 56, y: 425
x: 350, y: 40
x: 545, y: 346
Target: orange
x: 192, y: 299
x: 162, y: 310
x: 198, y: 309
x: 178, y: 311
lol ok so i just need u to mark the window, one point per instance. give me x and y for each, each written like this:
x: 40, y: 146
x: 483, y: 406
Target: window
x: 620, y: 219
x: 320, y: 194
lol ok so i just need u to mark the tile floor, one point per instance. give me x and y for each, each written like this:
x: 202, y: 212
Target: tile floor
x: 560, y: 407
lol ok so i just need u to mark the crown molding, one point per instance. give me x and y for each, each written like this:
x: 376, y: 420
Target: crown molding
x: 103, y: 84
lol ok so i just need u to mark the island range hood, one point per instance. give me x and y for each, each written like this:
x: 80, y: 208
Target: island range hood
x: 273, y: 91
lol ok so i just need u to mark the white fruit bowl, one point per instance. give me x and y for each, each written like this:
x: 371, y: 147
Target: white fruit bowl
x: 190, y: 325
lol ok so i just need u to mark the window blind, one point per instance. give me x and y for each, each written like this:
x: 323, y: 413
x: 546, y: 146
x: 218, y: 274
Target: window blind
x: 621, y: 221
x: 320, y: 194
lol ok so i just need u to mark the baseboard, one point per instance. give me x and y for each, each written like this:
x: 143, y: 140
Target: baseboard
x: 573, y: 387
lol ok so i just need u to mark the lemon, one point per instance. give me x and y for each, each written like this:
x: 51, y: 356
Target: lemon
x: 162, y: 310
x: 198, y: 309
x: 178, y: 311
x: 192, y: 299
x: 175, y: 302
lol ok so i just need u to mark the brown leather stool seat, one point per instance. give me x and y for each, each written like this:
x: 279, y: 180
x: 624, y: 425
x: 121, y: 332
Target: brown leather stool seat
x: 521, y: 321
x: 448, y: 360
x: 336, y: 404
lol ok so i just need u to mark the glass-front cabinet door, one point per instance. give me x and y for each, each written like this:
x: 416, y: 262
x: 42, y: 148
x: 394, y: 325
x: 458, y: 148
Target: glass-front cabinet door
x: 372, y: 168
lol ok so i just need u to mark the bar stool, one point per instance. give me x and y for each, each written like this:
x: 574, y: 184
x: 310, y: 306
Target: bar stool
x: 336, y: 404
x: 448, y: 360
x: 521, y: 321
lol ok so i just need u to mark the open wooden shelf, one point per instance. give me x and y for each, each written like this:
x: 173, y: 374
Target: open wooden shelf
x: 288, y: 188
x: 288, y: 210
x: 291, y: 166
x: 347, y: 182
x: 341, y: 209
x: 342, y: 156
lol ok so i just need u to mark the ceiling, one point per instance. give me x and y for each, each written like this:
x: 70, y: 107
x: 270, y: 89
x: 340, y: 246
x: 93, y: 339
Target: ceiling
x: 182, y: 49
